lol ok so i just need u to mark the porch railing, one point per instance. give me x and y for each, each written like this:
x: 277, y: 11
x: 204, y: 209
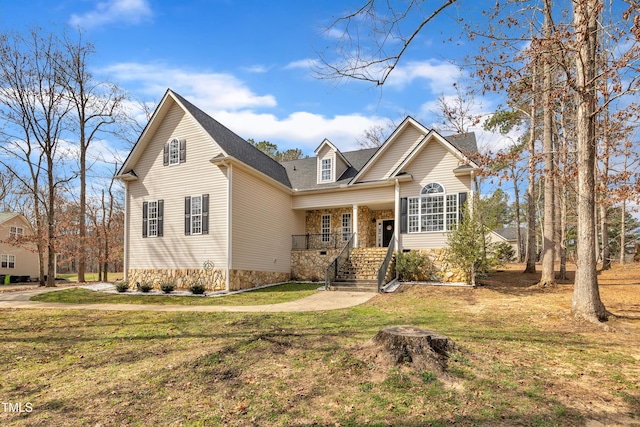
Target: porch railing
x: 382, y: 272
x: 302, y: 242
x: 334, y: 267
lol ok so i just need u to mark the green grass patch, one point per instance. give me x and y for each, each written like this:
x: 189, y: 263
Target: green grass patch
x: 271, y: 295
x: 89, y: 277
x: 278, y: 369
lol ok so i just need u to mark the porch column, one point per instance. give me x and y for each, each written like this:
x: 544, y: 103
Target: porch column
x: 354, y: 220
x: 396, y: 220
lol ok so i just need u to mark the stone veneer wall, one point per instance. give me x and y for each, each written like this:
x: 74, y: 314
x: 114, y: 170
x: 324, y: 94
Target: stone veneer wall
x: 247, y: 279
x: 311, y: 265
x: 214, y: 280
x: 443, y: 270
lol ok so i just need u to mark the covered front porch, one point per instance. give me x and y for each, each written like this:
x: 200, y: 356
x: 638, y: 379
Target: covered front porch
x: 372, y: 226
x: 327, y: 231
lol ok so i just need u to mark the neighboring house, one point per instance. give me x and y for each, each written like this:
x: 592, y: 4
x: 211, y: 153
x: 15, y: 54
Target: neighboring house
x: 198, y: 193
x: 18, y: 257
x: 508, y: 235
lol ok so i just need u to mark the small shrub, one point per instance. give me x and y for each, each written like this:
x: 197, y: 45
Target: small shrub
x: 122, y: 286
x: 144, y: 286
x: 413, y: 266
x: 503, y: 253
x: 197, y: 289
x: 167, y: 286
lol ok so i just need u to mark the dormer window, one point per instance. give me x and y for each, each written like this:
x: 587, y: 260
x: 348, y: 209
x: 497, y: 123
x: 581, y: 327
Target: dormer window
x: 326, y: 172
x: 175, y: 152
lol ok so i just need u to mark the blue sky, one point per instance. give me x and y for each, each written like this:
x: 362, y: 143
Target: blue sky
x: 249, y: 64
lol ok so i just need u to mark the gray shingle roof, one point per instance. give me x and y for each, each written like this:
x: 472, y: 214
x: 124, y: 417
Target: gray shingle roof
x: 509, y: 233
x: 235, y: 146
x: 296, y: 174
x: 303, y: 172
x: 465, y: 142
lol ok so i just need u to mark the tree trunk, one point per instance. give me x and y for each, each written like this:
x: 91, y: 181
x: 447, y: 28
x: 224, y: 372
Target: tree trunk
x: 516, y: 196
x: 531, y: 202
x: 548, y: 243
x: 623, y: 230
x: 586, y: 296
x: 410, y: 344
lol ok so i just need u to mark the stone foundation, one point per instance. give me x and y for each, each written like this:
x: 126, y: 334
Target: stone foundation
x: 442, y: 270
x: 246, y: 279
x: 213, y: 280
x: 312, y: 264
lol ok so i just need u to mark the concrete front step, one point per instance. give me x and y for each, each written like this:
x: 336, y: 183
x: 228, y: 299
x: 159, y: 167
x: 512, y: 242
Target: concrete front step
x: 355, y: 286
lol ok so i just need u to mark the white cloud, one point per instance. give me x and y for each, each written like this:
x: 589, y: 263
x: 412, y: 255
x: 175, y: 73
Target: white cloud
x: 258, y: 69
x: 210, y: 91
x: 304, y: 64
x: 229, y: 100
x: 440, y: 76
x: 109, y: 11
x: 301, y: 129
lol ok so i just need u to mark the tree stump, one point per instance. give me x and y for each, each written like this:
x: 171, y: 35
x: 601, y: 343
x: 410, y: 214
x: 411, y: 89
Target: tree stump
x: 410, y: 344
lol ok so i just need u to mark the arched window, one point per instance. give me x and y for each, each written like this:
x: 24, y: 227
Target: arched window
x: 433, y: 210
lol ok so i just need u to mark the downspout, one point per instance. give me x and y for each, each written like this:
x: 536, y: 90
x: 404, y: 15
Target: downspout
x: 396, y: 221
x: 356, y: 244
x: 126, y: 231
x: 229, y: 224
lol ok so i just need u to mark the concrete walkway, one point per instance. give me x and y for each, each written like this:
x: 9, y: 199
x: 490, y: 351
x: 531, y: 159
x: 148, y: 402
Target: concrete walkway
x: 320, y: 301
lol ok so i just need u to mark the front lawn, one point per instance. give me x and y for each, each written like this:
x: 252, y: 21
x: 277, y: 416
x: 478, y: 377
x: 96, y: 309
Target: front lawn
x: 264, y: 296
x: 524, y: 361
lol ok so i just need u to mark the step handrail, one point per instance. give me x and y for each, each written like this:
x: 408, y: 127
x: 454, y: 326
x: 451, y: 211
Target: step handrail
x: 382, y: 272
x: 334, y: 267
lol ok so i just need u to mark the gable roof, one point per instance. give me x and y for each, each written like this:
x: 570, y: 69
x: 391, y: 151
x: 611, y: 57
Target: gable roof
x: 230, y: 143
x: 6, y: 216
x: 467, y: 140
x: 295, y: 174
x: 509, y: 233
x: 235, y: 146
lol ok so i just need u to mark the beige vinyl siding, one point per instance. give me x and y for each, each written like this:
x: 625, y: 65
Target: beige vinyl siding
x: 326, y: 153
x: 433, y: 164
x: 396, y: 151
x: 346, y: 197
x: 262, y: 225
x: 26, y: 257
x: 172, y: 184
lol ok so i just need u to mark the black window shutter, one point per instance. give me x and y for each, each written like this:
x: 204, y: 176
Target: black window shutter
x: 160, y: 217
x: 187, y: 216
x: 183, y: 150
x: 145, y: 216
x: 165, y: 157
x: 462, y: 200
x: 403, y: 215
x: 205, y: 214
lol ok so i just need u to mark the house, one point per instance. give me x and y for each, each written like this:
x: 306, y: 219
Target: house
x: 509, y: 235
x: 198, y: 195
x: 18, y: 256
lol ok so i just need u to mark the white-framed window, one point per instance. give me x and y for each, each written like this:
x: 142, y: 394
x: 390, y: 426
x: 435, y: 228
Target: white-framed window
x: 8, y: 261
x: 325, y: 228
x: 346, y: 226
x: 325, y: 172
x: 174, y: 152
x: 16, y: 231
x: 152, y: 219
x: 433, y: 210
x: 196, y: 214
